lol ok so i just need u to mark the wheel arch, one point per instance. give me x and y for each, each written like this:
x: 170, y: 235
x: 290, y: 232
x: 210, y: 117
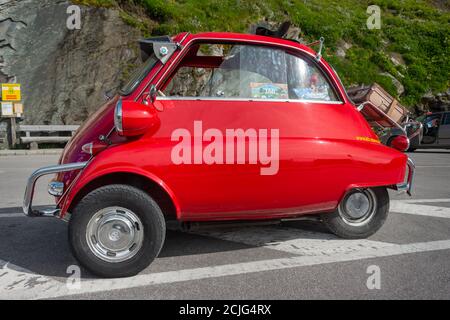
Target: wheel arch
x: 153, y: 186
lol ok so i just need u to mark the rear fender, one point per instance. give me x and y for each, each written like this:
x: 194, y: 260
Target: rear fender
x: 385, y: 176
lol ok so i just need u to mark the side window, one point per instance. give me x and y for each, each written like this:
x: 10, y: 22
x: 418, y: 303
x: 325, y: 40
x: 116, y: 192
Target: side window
x: 306, y: 82
x: 250, y: 72
x: 446, y: 119
x: 432, y: 121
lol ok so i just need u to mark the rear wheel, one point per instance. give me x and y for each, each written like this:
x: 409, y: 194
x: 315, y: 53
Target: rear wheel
x: 360, y: 214
x: 116, y: 231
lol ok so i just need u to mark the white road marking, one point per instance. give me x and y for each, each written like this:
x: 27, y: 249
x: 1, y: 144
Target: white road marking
x: 423, y: 200
x: 432, y: 166
x: 16, y: 279
x: 417, y: 209
x: 292, y: 240
x: 42, y: 287
x: 11, y: 215
x: 313, y: 249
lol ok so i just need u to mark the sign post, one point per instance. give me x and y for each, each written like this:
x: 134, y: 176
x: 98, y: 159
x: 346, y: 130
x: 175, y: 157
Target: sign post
x: 11, y: 135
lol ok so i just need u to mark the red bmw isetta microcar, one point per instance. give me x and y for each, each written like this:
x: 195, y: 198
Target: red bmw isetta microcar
x: 219, y: 127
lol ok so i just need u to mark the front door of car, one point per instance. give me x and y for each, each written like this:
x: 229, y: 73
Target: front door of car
x: 444, y: 131
x: 431, y: 128
x: 243, y: 130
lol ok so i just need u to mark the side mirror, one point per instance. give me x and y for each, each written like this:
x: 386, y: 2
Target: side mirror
x: 133, y: 118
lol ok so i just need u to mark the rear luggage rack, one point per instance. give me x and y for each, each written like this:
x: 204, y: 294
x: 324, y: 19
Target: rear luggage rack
x: 377, y: 106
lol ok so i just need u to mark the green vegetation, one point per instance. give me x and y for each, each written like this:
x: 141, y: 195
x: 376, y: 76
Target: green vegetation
x: 415, y: 30
x: 97, y: 3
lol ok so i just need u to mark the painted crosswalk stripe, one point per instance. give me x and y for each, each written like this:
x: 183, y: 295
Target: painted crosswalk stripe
x: 15, y: 279
x: 11, y: 215
x: 419, y: 209
x: 32, y: 286
x: 292, y: 240
x: 424, y: 200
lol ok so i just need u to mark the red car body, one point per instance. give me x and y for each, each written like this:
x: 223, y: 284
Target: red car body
x: 318, y: 163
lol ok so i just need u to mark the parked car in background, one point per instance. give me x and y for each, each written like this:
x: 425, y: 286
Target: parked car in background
x: 410, y: 129
x: 434, y: 133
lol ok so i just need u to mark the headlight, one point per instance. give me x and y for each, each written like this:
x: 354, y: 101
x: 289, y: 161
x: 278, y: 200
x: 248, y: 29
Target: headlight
x: 118, y: 117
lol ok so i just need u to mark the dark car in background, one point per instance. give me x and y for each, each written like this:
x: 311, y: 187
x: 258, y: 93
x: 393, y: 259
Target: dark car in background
x: 435, y: 132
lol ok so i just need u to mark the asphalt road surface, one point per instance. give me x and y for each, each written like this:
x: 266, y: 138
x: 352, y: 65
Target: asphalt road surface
x: 409, y: 258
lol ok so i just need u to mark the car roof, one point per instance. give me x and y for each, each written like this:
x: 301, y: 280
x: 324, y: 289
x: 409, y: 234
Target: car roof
x: 438, y: 112
x: 244, y: 37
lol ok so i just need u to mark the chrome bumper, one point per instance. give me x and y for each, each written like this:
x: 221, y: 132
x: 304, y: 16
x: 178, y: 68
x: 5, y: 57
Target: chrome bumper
x: 408, y: 185
x: 29, y: 191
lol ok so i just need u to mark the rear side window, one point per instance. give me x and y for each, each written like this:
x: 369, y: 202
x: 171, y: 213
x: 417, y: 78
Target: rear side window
x: 249, y: 72
x: 446, y: 119
x: 432, y: 120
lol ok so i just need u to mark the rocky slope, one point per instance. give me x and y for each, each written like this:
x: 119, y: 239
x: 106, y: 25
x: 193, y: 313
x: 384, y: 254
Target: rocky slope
x: 63, y: 73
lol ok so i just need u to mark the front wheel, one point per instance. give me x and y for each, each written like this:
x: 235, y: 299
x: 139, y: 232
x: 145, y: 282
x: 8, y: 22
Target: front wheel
x: 360, y: 214
x: 116, y: 231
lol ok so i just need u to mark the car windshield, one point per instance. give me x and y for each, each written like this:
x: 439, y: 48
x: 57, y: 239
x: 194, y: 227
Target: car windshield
x: 138, y: 75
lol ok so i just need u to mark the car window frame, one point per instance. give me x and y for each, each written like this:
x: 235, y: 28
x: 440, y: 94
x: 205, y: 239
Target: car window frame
x: 138, y: 75
x: 446, y: 117
x: 168, y: 74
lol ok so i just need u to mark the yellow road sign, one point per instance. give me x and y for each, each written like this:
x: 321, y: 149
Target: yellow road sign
x: 11, y: 92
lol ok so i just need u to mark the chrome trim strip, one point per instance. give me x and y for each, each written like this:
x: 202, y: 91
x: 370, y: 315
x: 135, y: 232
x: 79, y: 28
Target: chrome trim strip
x: 394, y: 123
x: 408, y: 185
x: 247, y: 99
x: 118, y: 117
x: 29, y: 191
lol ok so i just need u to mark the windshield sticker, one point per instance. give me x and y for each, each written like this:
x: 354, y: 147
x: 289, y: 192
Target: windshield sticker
x: 269, y: 90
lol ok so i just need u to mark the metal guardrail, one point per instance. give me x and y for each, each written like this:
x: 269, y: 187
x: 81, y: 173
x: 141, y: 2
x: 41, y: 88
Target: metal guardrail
x: 34, y: 135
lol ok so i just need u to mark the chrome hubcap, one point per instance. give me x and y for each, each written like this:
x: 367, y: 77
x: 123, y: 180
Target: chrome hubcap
x: 114, y: 234
x: 358, y: 207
